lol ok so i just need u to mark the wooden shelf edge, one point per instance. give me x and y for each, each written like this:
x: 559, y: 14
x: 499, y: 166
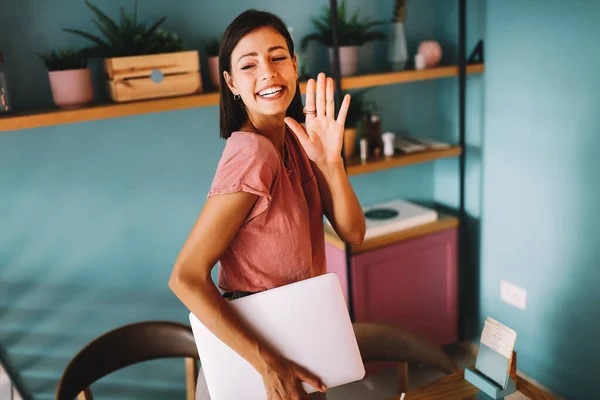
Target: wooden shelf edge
x: 444, y: 222
x: 58, y: 116
x: 390, y: 78
x: 355, y: 167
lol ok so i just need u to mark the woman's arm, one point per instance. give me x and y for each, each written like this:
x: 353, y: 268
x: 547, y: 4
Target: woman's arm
x: 322, y: 141
x: 340, y: 204
x: 213, y: 232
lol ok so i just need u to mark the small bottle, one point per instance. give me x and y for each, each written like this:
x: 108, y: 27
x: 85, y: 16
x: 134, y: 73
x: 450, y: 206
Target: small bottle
x: 5, y: 105
x: 363, y: 150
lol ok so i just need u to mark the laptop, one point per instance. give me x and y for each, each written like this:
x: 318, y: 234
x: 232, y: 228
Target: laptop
x: 306, y: 322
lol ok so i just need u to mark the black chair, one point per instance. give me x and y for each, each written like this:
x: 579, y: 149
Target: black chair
x: 125, y: 346
x: 381, y: 343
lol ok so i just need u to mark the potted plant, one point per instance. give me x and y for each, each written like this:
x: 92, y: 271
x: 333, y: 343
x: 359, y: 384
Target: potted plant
x: 70, y: 78
x: 211, y: 47
x: 141, y: 61
x: 352, y: 33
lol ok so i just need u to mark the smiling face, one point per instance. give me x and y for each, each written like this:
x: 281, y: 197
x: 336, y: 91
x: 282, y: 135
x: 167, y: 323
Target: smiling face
x: 263, y: 73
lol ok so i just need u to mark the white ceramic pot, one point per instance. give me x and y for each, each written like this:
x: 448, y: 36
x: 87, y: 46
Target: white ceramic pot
x: 348, y: 60
x: 71, y: 88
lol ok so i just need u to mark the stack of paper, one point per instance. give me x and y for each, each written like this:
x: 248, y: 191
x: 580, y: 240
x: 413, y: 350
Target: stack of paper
x: 495, y: 351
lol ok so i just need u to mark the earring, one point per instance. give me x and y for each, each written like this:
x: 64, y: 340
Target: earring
x: 237, y: 97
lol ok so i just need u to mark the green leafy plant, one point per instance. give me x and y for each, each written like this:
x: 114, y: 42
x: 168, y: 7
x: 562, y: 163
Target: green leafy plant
x: 128, y: 37
x: 62, y: 60
x: 211, y: 47
x: 351, y: 31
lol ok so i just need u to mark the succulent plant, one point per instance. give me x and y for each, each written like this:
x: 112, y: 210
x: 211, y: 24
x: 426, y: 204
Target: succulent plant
x: 351, y: 31
x: 62, y: 60
x: 128, y: 37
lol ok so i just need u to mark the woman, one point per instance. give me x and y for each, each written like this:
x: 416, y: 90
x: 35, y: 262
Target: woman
x: 263, y: 219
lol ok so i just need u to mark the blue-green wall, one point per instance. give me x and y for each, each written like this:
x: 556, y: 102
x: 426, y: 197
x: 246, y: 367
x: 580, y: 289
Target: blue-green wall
x: 540, y: 185
x: 93, y: 215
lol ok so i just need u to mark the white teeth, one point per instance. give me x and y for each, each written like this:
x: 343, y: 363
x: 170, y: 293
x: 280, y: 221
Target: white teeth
x: 270, y: 92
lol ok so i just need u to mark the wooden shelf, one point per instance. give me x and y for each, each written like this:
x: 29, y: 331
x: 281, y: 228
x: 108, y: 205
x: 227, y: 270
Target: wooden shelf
x: 56, y: 116
x: 355, y: 167
x: 390, y: 78
x: 443, y: 223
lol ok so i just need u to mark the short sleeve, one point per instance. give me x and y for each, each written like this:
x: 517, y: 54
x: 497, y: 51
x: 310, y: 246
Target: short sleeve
x: 246, y: 165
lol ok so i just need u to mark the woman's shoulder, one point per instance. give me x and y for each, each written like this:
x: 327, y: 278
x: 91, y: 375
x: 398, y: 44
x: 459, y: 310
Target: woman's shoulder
x: 242, y: 145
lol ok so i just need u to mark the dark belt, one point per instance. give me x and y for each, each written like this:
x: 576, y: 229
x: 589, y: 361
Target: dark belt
x: 236, y: 295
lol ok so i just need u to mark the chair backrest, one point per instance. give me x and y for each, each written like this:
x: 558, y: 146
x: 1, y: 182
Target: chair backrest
x: 122, y: 347
x: 378, y: 342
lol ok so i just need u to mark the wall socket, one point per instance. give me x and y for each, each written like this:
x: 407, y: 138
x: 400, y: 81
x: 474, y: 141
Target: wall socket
x: 513, y: 295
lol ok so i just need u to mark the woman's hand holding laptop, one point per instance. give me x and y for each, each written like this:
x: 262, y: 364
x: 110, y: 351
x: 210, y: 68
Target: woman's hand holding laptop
x: 283, y: 380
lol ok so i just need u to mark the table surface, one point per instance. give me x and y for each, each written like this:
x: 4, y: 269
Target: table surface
x: 455, y: 387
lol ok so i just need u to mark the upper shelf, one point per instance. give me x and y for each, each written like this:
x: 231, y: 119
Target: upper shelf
x: 55, y: 116
x: 390, y: 78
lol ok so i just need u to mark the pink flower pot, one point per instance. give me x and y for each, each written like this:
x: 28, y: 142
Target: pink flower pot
x: 348, y: 60
x: 213, y: 70
x: 71, y: 88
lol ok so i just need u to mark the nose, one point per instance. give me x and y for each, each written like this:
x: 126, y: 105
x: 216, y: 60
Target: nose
x: 267, y: 71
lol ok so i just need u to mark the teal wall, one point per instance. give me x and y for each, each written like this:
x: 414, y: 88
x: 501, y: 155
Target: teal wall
x: 93, y: 215
x: 540, y: 185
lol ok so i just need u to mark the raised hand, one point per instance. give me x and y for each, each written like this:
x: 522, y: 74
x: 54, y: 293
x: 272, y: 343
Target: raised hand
x: 324, y: 134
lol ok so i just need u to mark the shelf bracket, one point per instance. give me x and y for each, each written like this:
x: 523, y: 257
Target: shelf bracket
x: 476, y: 56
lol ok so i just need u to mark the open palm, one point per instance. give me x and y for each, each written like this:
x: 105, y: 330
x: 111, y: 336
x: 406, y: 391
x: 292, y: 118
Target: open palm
x: 323, y: 134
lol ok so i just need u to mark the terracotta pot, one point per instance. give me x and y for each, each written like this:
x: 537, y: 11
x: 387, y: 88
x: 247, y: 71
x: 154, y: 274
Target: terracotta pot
x: 213, y: 70
x: 71, y: 88
x: 348, y: 60
x: 350, y: 141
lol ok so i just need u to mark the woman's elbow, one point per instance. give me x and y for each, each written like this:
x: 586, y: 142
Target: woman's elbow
x: 176, y: 281
x: 179, y: 279
x: 357, y: 236
x: 189, y: 276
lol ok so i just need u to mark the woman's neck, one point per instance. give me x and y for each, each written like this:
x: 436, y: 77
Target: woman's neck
x: 272, y: 128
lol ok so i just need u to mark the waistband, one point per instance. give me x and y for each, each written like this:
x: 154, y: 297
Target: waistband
x: 236, y: 295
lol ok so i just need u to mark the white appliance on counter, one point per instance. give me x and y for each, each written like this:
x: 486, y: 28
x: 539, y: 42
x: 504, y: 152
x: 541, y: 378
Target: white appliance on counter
x: 394, y: 216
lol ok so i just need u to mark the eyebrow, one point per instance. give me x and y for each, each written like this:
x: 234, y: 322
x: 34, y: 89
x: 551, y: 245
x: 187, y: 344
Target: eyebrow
x: 254, y: 54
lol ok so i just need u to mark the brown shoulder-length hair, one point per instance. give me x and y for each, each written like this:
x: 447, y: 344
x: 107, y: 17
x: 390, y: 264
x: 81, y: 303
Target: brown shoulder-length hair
x: 233, y: 112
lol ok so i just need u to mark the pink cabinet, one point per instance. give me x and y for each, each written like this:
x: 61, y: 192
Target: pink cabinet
x: 411, y: 284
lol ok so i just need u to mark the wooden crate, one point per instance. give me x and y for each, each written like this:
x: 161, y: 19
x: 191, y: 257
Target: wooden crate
x: 153, y: 76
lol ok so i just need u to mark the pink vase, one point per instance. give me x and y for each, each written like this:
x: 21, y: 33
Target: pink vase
x: 71, y: 88
x: 348, y: 60
x: 213, y: 70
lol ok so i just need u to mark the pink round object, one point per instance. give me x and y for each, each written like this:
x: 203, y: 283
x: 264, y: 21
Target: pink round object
x: 432, y: 52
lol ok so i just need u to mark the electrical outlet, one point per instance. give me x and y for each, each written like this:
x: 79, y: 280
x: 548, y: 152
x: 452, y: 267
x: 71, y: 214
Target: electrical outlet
x: 513, y: 295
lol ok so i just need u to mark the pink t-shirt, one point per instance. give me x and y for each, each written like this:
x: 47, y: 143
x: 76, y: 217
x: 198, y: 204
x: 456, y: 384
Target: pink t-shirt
x: 282, y: 239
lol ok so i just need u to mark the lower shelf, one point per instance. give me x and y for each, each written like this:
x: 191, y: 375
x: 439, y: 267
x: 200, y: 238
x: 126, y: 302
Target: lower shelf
x: 356, y: 167
x: 443, y: 223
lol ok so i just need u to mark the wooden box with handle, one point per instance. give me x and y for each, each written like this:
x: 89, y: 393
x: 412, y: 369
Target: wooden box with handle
x: 153, y: 76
